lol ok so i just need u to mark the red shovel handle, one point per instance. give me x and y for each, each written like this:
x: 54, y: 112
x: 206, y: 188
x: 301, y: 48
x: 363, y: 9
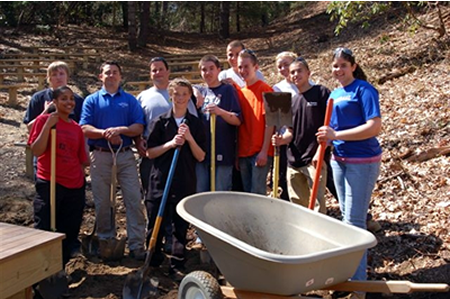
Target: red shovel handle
x: 322, y: 148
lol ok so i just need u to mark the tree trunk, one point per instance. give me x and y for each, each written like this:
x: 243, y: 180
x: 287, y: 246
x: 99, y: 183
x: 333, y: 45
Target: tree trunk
x: 202, y: 17
x: 143, y: 27
x: 238, y: 20
x: 124, y: 14
x: 156, y: 15
x: 132, y: 41
x: 224, y: 19
x: 163, y: 14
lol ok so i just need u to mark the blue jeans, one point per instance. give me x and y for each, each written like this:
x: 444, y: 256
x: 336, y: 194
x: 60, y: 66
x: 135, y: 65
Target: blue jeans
x: 354, y: 185
x: 254, y: 177
x: 223, y: 177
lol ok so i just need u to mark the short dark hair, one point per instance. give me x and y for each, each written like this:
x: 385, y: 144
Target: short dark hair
x: 301, y: 60
x: 159, y: 58
x: 110, y: 62
x: 236, y: 43
x: 211, y: 58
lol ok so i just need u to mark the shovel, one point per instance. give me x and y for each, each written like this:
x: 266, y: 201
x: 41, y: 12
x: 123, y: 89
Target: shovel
x: 138, y: 283
x: 278, y: 114
x: 55, y: 285
x: 89, y: 242
x: 113, y: 248
x: 213, y: 152
x: 321, y: 149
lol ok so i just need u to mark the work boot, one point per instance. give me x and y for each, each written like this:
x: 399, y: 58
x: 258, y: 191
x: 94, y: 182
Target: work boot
x: 373, y: 226
x: 138, y: 254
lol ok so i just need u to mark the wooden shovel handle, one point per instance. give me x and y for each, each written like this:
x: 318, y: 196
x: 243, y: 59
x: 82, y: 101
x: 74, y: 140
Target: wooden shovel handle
x: 400, y: 287
x: 322, y: 148
x: 53, y: 179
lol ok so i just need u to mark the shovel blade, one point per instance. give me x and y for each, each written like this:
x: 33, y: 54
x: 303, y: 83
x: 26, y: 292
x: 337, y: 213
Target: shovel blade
x: 89, y: 245
x: 54, y: 286
x: 278, y: 107
x: 112, y: 249
x: 139, y: 286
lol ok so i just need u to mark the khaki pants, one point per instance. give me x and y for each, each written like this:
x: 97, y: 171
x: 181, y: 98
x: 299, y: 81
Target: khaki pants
x: 127, y: 177
x: 300, y: 181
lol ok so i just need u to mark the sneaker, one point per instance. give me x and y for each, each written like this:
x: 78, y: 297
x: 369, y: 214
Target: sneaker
x: 198, y: 244
x: 138, y: 254
x: 176, y: 274
x: 373, y: 226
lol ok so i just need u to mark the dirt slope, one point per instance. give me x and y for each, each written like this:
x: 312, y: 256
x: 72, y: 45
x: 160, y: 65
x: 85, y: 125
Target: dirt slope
x: 412, y: 198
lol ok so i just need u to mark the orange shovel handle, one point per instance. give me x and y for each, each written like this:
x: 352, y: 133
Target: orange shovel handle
x: 322, y: 148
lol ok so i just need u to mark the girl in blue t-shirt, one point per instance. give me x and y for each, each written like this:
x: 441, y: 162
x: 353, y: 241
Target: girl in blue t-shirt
x: 355, y: 123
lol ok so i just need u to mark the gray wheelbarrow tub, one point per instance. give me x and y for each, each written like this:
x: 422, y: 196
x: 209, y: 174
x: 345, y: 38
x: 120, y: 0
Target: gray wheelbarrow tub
x: 268, y: 245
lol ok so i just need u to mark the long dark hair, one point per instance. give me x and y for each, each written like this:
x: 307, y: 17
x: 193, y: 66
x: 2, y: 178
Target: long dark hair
x: 347, y: 55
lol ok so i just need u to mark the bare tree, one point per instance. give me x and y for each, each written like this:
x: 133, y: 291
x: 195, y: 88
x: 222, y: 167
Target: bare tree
x: 202, y: 17
x: 143, y: 27
x: 224, y: 19
x: 132, y: 41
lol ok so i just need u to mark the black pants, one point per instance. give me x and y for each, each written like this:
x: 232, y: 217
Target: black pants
x: 68, y: 213
x: 144, y: 171
x: 282, y: 180
x: 179, y: 230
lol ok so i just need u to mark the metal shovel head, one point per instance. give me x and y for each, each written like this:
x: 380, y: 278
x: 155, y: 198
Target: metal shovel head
x: 54, y: 286
x: 278, y: 106
x: 89, y: 244
x: 112, y: 249
x: 139, y: 286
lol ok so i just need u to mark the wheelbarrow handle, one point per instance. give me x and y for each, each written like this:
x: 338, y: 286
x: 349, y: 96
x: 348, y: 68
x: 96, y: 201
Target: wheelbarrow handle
x: 321, y: 149
x: 399, y: 287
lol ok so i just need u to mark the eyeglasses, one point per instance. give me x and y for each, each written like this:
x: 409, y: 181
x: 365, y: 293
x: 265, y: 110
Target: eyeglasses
x: 248, y: 51
x: 346, y: 51
x: 302, y: 61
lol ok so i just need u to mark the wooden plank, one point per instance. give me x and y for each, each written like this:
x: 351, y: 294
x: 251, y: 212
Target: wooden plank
x: 36, y: 257
x: 230, y: 292
x: 12, y: 91
x: 388, y: 287
x: 23, y: 294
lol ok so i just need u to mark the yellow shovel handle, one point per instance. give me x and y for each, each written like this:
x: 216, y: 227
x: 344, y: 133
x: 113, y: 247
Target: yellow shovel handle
x: 53, y: 179
x: 213, y: 151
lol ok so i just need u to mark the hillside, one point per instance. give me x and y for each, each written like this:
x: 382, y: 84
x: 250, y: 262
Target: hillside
x: 412, y: 73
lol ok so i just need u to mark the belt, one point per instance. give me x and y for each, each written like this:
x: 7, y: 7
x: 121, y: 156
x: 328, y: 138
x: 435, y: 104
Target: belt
x: 102, y: 149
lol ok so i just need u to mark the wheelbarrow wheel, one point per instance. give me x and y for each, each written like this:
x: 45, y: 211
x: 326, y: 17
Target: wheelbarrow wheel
x: 199, y: 285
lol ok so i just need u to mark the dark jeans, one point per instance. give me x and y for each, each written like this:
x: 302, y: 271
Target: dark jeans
x: 68, y: 213
x: 179, y: 230
x: 236, y: 181
x: 282, y: 181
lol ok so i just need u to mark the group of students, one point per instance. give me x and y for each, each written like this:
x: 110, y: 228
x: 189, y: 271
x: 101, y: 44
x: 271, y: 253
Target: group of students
x: 174, y: 114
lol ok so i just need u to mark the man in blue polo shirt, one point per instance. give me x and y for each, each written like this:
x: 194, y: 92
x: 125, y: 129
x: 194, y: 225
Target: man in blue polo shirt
x: 114, y: 116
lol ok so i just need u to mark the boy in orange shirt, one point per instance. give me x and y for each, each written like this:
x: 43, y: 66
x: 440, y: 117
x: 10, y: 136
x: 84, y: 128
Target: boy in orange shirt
x: 255, y: 151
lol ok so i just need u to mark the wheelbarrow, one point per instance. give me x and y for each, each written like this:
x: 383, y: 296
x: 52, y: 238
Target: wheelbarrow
x: 263, y: 255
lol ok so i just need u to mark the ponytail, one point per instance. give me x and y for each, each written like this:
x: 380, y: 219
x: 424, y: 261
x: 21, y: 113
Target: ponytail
x: 359, y: 73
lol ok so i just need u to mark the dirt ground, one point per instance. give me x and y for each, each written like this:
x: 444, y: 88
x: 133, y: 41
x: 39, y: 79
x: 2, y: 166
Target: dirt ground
x: 411, y: 200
